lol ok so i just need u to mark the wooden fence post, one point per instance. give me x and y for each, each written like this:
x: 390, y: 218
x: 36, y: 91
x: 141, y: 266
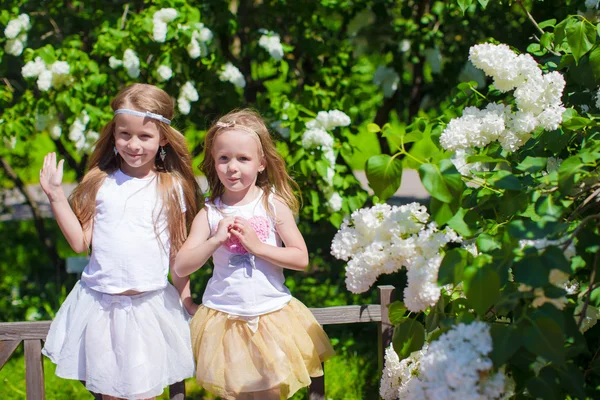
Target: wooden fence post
x: 387, y: 295
x: 34, y: 370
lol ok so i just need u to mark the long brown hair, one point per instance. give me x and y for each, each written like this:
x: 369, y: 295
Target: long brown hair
x: 175, y: 170
x: 274, y: 178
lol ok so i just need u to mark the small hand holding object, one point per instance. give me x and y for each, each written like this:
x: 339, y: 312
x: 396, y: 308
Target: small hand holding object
x: 223, y: 229
x: 51, y: 176
x: 246, y: 234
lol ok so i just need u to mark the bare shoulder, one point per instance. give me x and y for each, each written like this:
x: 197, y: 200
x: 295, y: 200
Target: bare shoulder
x: 281, y: 206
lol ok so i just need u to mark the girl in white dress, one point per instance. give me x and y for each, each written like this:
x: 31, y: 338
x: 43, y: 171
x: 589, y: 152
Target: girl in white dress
x: 123, y: 328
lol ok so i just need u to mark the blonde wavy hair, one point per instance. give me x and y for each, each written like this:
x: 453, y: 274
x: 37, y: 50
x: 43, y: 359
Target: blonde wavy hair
x: 174, y: 171
x: 273, y: 179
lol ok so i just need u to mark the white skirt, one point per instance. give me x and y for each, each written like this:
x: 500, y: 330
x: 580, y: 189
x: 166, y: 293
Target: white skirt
x: 124, y: 346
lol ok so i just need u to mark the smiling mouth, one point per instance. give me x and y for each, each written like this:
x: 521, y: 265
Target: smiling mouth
x: 134, y: 155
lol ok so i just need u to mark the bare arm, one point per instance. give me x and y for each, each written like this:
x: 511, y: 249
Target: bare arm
x: 182, y: 284
x: 293, y: 256
x: 51, y: 175
x: 199, y: 246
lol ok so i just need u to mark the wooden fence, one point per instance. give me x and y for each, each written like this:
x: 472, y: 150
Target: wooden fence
x: 32, y: 333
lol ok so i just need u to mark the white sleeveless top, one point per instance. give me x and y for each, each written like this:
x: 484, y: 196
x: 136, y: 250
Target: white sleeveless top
x: 126, y: 252
x: 243, y: 284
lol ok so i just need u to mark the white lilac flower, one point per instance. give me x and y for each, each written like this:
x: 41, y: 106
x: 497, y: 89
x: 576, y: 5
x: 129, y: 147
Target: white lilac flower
x: 13, y: 28
x: 230, y: 73
x: 189, y: 91
x: 164, y: 73
x: 14, y: 47
x: 60, y: 73
x: 114, y: 62
x: 328, y: 120
x: 272, y: 43
x: 44, y: 81
x: 459, y: 159
x: 396, y: 374
x: 456, y: 366
x: 187, y: 94
x: 193, y: 48
x: 537, y: 95
x: 131, y: 63
x: 316, y: 138
x: 160, y: 20
x: 591, y: 3
x: 388, y: 79
x: 184, y: 105
x: 334, y: 203
x: 200, y: 37
x: 60, y: 67
x: 159, y: 31
x: 165, y: 15
x: 16, y: 26
x: 202, y: 33
x: 382, y: 239
x: 33, y: 68
x: 55, y: 129
x: 77, y: 130
x: 404, y: 45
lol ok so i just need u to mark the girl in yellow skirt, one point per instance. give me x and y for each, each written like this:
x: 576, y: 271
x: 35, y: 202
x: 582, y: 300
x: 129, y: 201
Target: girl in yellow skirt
x: 250, y: 337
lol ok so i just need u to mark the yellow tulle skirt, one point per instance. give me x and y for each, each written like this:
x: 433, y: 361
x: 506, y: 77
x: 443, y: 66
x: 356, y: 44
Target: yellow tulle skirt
x: 270, y: 358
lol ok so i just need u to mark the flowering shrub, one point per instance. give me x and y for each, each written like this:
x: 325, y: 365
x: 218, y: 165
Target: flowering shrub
x: 513, y: 170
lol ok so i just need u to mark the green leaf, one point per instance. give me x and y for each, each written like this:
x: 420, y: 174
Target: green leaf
x: 396, y: 311
x: 434, y: 182
x: 581, y: 36
x: 547, y: 206
x: 531, y: 271
x: 572, y: 379
x: 487, y: 243
x: 443, y: 182
x: 440, y: 212
x: 435, y: 315
x: 544, y: 385
x: 384, y: 174
x: 484, y: 158
x: 532, y: 164
x: 409, y: 336
x: 452, y: 266
x: 373, y: 128
x: 482, y: 288
x: 595, y: 63
x: 547, y: 23
x: 566, y: 173
x: 458, y: 223
x: 505, y: 180
x: 543, y: 336
x: 483, y: 3
x: 506, y: 341
x: 464, y: 4
x: 528, y: 229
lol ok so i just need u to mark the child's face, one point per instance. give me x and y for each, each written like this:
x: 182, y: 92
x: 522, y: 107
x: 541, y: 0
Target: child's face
x: 237, y: 160
x: 137, y: 139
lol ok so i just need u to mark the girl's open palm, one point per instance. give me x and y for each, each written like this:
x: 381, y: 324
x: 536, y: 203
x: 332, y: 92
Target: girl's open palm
x: 51, y: 174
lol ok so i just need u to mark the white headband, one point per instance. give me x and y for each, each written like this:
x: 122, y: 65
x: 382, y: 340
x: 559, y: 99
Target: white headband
x: 146, y: 114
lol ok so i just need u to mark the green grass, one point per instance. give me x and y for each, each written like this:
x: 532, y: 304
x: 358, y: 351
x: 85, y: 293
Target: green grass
x: 347, y: 377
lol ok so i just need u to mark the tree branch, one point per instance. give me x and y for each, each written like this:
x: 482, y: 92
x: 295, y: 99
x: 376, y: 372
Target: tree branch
x: 540, y: 30
x: 589, y: 291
